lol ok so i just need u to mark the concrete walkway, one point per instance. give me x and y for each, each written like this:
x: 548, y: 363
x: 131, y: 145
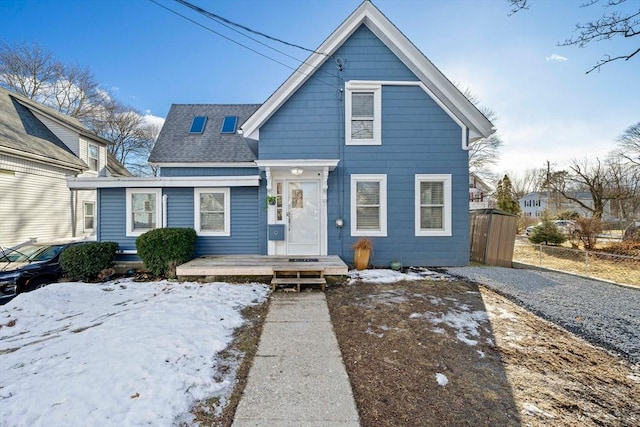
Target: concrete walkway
x: 298, y: 377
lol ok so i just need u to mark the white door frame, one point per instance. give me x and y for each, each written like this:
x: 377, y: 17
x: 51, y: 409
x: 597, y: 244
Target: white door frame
x: 313, y: 170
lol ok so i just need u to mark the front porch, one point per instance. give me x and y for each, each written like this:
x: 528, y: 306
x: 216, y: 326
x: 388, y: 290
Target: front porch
x: 284, y: 270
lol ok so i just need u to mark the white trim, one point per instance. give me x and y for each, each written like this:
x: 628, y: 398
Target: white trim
x: 130, y: 232
x: 446, y: 211
x: 358, y: 84
x: 204, y: 164
x: 367, y: 14
x: 382, y: 180
x: 162, y: 182
x: 352, y: 87
x: 97, y: 158
x: 227, y: 211
x: 303, y: 163
x: 84, y: 215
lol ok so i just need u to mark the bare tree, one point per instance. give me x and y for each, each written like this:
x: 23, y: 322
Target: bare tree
x: 527, y: 182
x: 131, y: 137
x: 616, y: 22
x: 629, y: 144
x: 32, y: 71
x: 485, y: 152
x: 594, y: 178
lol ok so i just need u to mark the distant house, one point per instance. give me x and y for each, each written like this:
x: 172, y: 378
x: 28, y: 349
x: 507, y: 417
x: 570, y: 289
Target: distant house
x: 480, y: 193
x: 366, y: 139
x: 39, y: 149
x: 533, y: 204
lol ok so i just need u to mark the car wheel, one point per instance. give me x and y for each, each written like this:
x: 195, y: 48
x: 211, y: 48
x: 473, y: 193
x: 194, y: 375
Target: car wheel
x: 37, y: 284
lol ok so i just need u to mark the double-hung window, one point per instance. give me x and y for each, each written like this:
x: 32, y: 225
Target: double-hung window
x: 433, y: 205
x: 88, y: 209
x: 363, y: 110
x: 144, y: 210
x: 94, y: 157
x: 368, y: 205
x: 212, y: 211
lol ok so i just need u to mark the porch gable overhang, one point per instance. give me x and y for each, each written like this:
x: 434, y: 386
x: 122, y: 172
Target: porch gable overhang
x: 330, y: 164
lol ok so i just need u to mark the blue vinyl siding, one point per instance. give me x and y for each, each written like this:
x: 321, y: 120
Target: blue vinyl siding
x: 418, y: 137
x: 245, y: 221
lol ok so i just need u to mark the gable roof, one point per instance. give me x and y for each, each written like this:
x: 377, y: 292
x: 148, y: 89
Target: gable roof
x: 115, y: 168
x: 176, y: 145
x: 23, y: 134
x: 367, y: 14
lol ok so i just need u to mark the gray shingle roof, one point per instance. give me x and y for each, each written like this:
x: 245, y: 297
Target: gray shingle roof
x: 176, y: 145
x: 21, y: 131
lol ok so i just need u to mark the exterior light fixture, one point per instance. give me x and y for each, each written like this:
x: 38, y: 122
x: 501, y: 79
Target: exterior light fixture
x: 296, y: 171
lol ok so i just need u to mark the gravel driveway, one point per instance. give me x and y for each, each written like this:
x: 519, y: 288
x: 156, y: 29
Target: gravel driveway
x: 604, y: 314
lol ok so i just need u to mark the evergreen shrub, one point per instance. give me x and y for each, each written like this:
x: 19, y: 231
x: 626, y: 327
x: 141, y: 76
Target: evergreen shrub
x: 85, y: 262
x: 163, y: 249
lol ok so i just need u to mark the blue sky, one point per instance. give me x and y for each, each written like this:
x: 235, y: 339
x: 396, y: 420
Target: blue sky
x: 547, y: 107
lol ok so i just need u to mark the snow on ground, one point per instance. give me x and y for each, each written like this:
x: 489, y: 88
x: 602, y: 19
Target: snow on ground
x: 119, y: 353
x: 461, y: 318
x: 384, y: 276
x: 442, y: 379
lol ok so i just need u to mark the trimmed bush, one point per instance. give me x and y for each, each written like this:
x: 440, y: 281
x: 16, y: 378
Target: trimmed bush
x: 163, y: 249
x: 85, y: 262
x: 547, y: 233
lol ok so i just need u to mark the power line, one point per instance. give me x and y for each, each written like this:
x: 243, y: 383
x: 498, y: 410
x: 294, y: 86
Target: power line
x: 235, y: 24
x: 297, y: 70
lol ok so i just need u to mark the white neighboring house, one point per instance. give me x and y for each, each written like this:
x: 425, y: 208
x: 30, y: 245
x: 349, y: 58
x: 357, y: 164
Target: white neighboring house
x: 480, y: 193
x: 39, y: 149
x: 533, y: 204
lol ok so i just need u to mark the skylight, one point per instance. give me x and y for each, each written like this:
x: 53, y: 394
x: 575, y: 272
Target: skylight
x: 197, y: 126
x: 229, y: 124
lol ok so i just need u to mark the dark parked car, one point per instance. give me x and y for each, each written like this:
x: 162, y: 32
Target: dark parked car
x: 30, y: 267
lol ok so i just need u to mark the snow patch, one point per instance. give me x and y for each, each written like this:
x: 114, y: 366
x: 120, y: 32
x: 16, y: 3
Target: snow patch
x: 137, y: 354
x: 530, y: 409
x: 442, y: 379
x: 464, y: 321
x: 386, y: 276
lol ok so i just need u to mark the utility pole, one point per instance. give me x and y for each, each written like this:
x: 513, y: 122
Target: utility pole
x: 548, y: 186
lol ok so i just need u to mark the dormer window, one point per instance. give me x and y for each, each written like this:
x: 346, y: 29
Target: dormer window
x: 197, y: 125
x: 229, y: 124
x: 94, y: 157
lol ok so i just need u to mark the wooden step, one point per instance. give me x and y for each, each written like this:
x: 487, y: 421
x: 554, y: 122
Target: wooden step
x: 297, y: 281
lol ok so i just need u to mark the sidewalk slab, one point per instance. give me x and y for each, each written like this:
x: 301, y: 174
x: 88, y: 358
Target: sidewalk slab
x: 298, y: 377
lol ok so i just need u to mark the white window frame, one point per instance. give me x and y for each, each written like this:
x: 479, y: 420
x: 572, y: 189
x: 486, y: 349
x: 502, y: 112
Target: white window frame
x: 129, y: 209
x: 97, y: 158
x: 85, y: 216
x: 227, y: 211
x: 382, y: 180
x: 446, y: 209
x: 364, y: 87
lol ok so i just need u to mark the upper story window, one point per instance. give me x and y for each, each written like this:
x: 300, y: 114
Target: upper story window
x: 433, y: 205
x: 144, y: 210
x: 363, y: 111
x: 229, y: 124
x: 368, y: 205
x: 94, y: 157
x: 197, y: 125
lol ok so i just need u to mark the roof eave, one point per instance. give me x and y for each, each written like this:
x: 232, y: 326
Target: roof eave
x: 479, y: 126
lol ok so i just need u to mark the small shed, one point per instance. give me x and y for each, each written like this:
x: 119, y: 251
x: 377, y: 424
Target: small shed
x: 492, y: 234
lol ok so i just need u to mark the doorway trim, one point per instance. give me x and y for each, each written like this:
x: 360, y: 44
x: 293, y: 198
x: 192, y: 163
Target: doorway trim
x: 311, y: 170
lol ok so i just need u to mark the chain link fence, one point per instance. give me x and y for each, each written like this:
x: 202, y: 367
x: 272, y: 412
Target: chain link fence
x: 598, y: 265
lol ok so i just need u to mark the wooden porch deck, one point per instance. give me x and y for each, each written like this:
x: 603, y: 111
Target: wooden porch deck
x: 260, y: 265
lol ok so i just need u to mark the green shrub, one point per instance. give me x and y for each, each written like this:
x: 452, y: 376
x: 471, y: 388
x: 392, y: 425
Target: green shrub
x: 86, y: 261
x: 163, y: 249
x: 547, y: 233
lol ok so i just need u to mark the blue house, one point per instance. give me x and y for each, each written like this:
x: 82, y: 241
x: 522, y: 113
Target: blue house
x: 366, y: 139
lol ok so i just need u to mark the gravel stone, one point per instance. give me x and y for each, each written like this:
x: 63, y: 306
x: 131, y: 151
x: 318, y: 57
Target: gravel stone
x: 604, y: 314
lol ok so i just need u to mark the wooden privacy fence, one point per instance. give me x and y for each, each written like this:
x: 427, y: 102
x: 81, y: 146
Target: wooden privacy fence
x: 492, y: 234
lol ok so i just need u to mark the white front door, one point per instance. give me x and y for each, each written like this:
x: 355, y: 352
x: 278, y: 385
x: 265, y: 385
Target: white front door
x: 303, y: 217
